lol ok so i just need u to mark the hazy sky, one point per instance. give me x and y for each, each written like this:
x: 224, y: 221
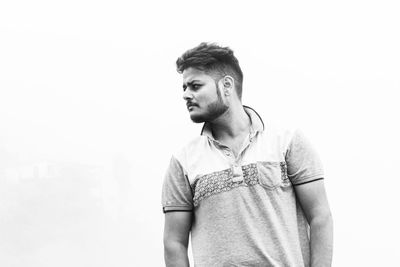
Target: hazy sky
x: 91, y: 109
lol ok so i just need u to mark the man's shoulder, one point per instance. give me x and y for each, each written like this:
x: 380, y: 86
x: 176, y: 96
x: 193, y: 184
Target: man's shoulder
x: 280, y: 129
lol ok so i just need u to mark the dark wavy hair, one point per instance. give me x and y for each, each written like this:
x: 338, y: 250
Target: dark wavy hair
x: 213, y: 59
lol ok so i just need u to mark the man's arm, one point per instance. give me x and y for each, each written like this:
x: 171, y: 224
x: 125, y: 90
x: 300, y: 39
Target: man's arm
x: 176, y: 238
x: 313, y: 200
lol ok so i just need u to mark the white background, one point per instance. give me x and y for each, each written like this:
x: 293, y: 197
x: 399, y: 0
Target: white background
x: 91, y: 109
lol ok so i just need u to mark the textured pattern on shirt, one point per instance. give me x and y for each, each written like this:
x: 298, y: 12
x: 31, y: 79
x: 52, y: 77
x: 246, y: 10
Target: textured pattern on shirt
x: 222, y: 181
x: 285, y: 178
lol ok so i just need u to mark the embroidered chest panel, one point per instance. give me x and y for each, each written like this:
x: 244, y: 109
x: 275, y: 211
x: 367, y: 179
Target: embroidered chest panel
x: 267, y: 174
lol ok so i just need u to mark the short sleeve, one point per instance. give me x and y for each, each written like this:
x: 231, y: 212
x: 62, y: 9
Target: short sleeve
x: 303, y: 162
x: 176, y: 190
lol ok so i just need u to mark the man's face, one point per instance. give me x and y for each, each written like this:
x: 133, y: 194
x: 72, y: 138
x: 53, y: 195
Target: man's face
x: 203, y: 98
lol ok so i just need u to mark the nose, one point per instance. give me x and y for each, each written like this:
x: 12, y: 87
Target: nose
x: 187, y: 95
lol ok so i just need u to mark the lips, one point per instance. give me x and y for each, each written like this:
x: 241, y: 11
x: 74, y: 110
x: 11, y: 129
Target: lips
x: 189, y: 105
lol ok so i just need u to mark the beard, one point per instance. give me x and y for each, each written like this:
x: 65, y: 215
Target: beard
x: 214, y: 110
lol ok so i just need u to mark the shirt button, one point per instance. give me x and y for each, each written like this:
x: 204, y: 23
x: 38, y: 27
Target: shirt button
x: 237, y: 179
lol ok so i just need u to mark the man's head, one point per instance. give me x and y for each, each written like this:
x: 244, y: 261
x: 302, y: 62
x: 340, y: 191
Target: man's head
x: 212, y: 79
x: 214, y: 60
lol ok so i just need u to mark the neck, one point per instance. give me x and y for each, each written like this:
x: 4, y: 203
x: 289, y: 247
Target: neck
x: 233, y: 123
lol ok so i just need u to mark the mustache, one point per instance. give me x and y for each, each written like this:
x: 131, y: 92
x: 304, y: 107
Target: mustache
x: 189, y: 104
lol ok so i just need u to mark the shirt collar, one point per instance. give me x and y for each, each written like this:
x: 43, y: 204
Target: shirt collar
x: 257, y: 124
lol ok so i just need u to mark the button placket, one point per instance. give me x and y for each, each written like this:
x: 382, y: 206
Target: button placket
x: 238, y: 175
x: 235, y: 162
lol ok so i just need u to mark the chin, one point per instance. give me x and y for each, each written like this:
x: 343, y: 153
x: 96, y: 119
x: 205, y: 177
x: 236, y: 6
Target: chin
x: 197, y: 118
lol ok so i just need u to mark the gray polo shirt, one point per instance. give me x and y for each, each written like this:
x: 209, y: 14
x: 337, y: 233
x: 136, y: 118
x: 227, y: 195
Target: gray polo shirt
x: 245, y: 209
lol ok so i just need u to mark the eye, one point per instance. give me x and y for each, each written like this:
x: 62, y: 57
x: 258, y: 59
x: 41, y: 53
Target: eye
x: 196, y: 86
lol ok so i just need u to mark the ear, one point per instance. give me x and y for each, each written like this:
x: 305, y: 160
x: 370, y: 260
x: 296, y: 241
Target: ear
x: 228, y: 84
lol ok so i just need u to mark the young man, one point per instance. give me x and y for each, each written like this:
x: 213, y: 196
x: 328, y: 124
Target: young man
x: 249, y: 194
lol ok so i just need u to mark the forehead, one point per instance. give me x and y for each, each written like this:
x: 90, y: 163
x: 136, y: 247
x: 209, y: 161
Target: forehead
x: 191, y: 74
